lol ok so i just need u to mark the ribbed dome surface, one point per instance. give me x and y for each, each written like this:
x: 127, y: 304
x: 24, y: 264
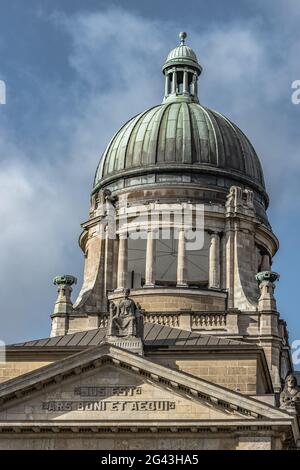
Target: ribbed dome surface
x: 181, y: 136
x: 182, y: 51
x: 182, y: 55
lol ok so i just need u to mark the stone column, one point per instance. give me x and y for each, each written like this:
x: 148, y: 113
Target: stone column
x: 214, y: 261
x: 265, y: 263
x: 150, y: 259
x: 122, y: 262
x: 115, y: 263
x: 167, y: 84
x: 223, y: 262
x: 195, y: 86
x: 181, y: 261
x: 174, y: 82
x: 108, y: 260
x: 185, y: 82
x: 230, y: 258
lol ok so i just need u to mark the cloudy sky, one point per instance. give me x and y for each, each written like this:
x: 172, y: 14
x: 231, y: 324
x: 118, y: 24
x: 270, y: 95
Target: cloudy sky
x: 76, y: 70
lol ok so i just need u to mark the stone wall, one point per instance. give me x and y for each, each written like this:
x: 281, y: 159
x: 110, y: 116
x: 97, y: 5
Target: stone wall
x: 236, y: 374
x: 166, y: 300
x: 11, y: 369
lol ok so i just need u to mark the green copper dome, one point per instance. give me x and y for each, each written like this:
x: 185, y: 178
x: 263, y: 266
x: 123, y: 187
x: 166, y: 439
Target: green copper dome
x: 180, y: 140
x: 181, y: 137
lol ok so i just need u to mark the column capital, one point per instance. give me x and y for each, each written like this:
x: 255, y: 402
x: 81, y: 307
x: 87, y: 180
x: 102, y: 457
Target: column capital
x: 123, y: 235
x: 152, y: 229
x: 214, y: 232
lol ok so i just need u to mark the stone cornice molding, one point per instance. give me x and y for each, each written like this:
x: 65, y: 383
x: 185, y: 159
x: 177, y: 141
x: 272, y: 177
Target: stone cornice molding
x: 209, y: 428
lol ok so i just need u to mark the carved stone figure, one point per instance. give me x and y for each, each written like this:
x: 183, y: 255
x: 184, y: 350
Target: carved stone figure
x: 290, y: 395
x: 248, y: 198
x: 109, y: 198
x: 230, y: 198
x: 124, y: 318
x: 239, y: 199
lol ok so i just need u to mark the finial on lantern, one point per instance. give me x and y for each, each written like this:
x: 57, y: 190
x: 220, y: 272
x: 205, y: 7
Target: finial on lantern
x: 182, y: 37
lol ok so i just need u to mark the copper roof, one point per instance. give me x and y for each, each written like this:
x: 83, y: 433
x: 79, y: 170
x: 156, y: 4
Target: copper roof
x: 154, y: 336
x: 182, y: 137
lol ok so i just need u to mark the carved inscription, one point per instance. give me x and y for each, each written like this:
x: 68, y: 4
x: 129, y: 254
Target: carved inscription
x: 159, y: 405
x: 88, y: 392
x: 93, y: 391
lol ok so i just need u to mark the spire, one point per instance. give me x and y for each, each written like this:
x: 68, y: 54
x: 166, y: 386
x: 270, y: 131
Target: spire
x: 181, y: 71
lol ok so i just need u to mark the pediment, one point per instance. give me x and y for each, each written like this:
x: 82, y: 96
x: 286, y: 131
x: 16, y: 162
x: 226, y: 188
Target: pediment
x: 110, y: 384
x: 109, y: 394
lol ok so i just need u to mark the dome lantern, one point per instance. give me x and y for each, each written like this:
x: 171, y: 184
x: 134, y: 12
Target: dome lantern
x: 181, y: 71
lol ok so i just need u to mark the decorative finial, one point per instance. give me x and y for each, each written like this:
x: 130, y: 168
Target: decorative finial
x: 64, y: 280
x: 267, y: 301
x: 182, y: 37
x: 267, y: 276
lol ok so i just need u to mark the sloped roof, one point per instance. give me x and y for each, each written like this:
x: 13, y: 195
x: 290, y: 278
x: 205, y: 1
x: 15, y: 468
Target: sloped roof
x: 154, y: 336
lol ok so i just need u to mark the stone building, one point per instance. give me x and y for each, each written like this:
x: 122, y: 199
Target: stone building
x: 174, y: 341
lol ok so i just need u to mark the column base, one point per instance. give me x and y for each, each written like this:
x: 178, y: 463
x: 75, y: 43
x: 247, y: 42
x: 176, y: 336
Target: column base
x: 182, y: 285
x: 148, y: 286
